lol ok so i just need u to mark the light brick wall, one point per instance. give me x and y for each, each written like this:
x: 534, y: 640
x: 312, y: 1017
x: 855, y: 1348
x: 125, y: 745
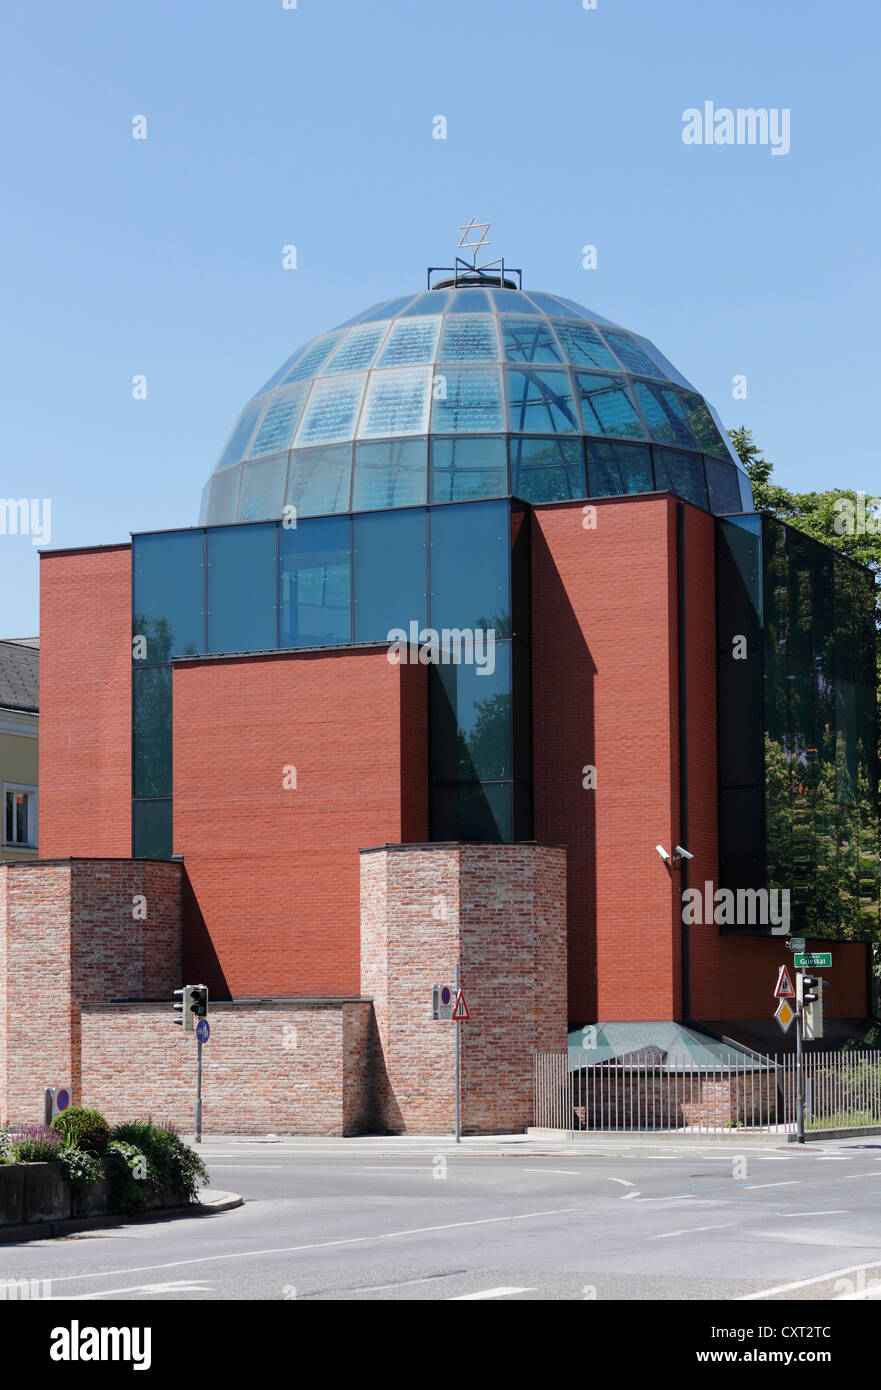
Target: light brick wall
x: 500, y: 910
x: 282, y: 1067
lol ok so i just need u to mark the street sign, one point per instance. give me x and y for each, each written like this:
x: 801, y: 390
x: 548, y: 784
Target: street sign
x: 442, y: 1002
x: 784, y: 1014
x: 783, y: 988
x: 816, y: 960
x: 796, y: 943
x: 203, y: 1030
x: 460, y: 1012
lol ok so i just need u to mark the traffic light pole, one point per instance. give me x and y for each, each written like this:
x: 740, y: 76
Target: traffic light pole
x: 800, y: 1064
x: 199, y: 1091
x: 458, y: 1077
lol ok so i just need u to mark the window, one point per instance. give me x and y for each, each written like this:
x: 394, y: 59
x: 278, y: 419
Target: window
x: 20, y: 816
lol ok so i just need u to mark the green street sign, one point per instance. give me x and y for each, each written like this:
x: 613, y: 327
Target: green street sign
x: 819, y: 960
x: 796, y: 943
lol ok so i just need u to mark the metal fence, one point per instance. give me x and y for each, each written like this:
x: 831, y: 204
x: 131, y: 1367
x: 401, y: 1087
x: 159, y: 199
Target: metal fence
x: 734, y: 1093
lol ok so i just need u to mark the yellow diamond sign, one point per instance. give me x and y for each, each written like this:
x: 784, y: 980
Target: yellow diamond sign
x: 785, y: 1014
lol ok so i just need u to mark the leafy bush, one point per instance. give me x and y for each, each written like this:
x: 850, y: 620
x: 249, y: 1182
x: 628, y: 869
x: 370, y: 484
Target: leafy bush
x: 129, y: 1175
x: 4, y: 1143
x: 82, y: 1171
x: 174, y: 1169
x: 35, y: 1144
x: 83, y: 1129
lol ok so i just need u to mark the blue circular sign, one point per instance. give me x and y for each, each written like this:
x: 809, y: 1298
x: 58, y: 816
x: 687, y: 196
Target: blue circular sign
x: 62, y: 1100
x: 446, y: 996
x: 203, y: 1030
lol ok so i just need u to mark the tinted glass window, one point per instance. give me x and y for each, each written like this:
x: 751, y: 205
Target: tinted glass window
x: 241, y: 589
x: 529, y: 340
x: 470, y: 567
x: 467, y: 400
x: 463, y: 468
x: 151, y: 827
x: 469, y: 301
x: 168, y: 594
x: 390, y: 573
x: 280, y: 421
x: 583, y: 345
x: 151, y: 731
x: 540, y: 402
x: 547, y: 470
x: 315, y: 601
x: 469, y: 338
x: 470, y: 719
x: 313, y: 359
x: 724, y: 489
x: 397, y: 403
x: 473, y: 812
x: 607, y: 406
x: 682, y: 474
x: 614, y: 469
x: 630, y: 354
x: 410, y: 342
x: 663, y: 413
x: 357, y: 350
x: 390, y: 473
x: 261, y: 494
x: 223, y: 496
x: 332, y: 410
x: 319, y: 480
x: 241, y: 435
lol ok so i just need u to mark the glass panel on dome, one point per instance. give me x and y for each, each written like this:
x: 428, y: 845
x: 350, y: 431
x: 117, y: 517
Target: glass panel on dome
x: 529, y: 340
x: 463, y: 468
x: 410, y: 342
x: 702, y: 424
x: 469, y: 338
x: 389, y: 310
x: 584, y: 312
x: 282, y: 371
x: 728, y: 450
x: 682, y: 474
x: 313, y: 358
x: 319, y: 480
x: 467, y: 399
x: 390, y: 473
x: 663, y: 413
x: 372, y: 313
x: 241, y: 435
x: 583, y: 345
x: 280, y: 420
x: 357, y: 350
x: 551, y: 305
x: 666, y: 366
x: 314, y: 581
x: 241, y: 588
x: 429, y: 302
x: 390, y: 573
x: 470, y: 301
x: 223, y: 496
x: 722, y: 482
x: 746, y: 492
x: 540, y: 402
x: 203, y: 506
x: 262, y: 492
x: 630, y: 354
x: 512, y: 302
x: 470, y: 718
x: 470, y: 563
x: 332, y: 411
x: 607, y: 406
x: 397, y: 402
x: 151, y: 829
x: 547, y: 470
x: 151, y: 730
x: 614, y: 470
x: 167, y: 593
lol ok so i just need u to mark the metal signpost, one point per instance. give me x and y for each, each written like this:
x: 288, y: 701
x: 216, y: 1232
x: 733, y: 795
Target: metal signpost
x: 460, y: 1012
x: 203, y: 1033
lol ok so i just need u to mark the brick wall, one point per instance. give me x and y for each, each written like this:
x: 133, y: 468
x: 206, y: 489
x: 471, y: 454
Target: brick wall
x: 71, y: 932
x: 274, y: 906
x: 285, y: 1067
x: 499, y: 910
x: 85, y: 702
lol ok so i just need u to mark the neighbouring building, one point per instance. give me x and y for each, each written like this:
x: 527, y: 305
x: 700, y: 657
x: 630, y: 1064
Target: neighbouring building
x: 19, y: 741
x: 477, y: 632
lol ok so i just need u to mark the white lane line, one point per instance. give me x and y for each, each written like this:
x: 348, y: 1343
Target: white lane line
x: 314, y: 1245
x: 790, y: 1182
x: 565, y: 1172
x: 874, y: 1291
x: 690, y: 1230
x: 176, y: 1286
x: 396, y: 1167
x: 623, y: 1182
x: 836, y: 1158
x: 805, y: 1283
x: 502, y: 1292
x: 839, y: 1211
x: 628, y: 1196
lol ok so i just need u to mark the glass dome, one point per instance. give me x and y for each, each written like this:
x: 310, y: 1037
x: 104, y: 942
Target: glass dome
x: 473, y: 392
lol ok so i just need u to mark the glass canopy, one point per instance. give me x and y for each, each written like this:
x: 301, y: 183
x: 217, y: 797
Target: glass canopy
x: 444, y: 395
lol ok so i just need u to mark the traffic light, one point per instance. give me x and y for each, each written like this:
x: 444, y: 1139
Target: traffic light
x: 199, y: 1001
x: 809, y: 997
x: 185, y: 1008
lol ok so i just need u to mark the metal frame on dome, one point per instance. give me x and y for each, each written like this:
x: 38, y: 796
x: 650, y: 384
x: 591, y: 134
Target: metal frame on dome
x: 464, y: 273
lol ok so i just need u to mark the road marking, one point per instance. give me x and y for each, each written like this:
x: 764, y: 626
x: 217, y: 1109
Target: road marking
x: 315, y: 1245
x: 836, y: 1158
x: 874, y: 1291
x: 489, y: 1293
x: 565, y: 1172
x: 790, y: 1182
x: 690, y: 1230
x: 628, y: 1196
x: 623, y: 1182
x: 397, y: 1167
x: 174, y: 1286
x: 839, y: 1211
x: 806, y: 1283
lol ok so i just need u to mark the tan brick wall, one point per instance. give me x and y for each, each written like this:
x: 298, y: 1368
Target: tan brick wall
x: 500, y: 911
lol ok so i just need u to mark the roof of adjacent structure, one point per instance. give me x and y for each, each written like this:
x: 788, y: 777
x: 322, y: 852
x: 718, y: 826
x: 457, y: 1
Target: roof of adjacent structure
x: 20, y: 673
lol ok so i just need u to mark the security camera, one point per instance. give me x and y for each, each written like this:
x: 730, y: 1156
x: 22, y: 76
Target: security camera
x: 663, y: 853
x: 683, y: 853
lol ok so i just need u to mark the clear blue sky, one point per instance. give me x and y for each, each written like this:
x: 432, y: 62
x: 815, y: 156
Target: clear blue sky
x: 313, y: 126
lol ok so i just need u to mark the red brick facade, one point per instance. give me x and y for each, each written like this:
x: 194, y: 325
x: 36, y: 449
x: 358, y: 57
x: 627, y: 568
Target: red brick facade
x: 85, y: 702
x: 498, y: 910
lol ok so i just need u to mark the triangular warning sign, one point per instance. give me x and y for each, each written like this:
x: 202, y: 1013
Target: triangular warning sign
x: 783, y: 989
x: 461, y: 1009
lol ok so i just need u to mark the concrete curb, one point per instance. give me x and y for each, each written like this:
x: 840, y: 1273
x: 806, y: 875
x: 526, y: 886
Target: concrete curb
x: 71, y: 1225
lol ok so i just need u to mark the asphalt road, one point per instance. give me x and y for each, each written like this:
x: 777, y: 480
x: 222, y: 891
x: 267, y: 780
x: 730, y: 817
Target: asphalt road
x: 506, y: 1219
